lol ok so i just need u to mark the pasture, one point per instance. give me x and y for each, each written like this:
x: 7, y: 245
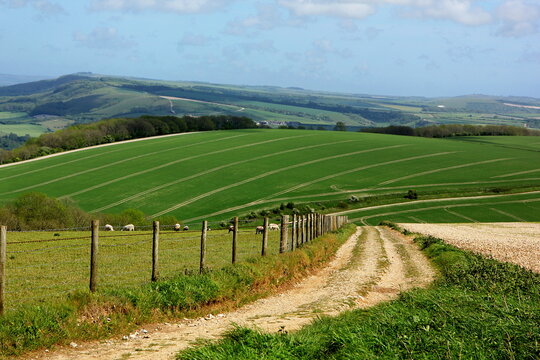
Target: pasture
x: 42, y: 266
x: 22, y: 129
x: 216, y: 175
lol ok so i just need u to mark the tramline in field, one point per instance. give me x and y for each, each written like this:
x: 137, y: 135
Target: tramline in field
x: 215, y: 175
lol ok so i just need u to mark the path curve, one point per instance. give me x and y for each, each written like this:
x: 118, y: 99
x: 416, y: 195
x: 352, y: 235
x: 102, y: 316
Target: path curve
x: 375, y: 264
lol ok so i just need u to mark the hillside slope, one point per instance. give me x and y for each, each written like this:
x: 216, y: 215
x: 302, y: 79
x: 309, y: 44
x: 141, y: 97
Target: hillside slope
x: 215, y: 175
x: 86, y: 97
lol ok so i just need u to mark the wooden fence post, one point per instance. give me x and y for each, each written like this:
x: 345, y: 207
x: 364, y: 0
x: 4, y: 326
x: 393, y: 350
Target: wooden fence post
x: 315, y: 225
x: 155, y: 251
x: 294, y: 232
x: 265, y: 237
x: 202, y: 263
x: 300, y: 231
x: 234, y: 239
x: 94, y: 255
x: 284, y: 234
x: 309, y: 227
x: 306, y: 220
x: 3, y: 251
x: 312, y: 227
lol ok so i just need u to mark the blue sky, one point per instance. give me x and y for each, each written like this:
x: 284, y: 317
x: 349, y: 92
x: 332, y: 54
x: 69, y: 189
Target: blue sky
x: 387, y: 47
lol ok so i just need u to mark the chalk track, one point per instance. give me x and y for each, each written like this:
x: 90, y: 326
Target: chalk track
x: 374, y: 265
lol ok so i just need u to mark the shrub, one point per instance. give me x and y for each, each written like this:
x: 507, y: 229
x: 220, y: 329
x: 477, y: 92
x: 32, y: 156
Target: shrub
x: 411, y: 194
x: 342, y: 205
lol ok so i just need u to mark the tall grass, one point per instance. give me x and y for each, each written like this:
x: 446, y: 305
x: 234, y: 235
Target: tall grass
x: 84, y: 316
x: 478, y: 309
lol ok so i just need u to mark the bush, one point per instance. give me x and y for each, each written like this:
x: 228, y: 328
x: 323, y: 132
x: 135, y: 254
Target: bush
x: 342, y: 205
x: 37, y: 211
x: 411, y: 194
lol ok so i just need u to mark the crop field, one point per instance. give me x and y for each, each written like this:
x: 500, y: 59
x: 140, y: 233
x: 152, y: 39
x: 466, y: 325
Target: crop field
x: 11, y: 116
x: 216, y: 175
x: 491, y: 208
x: 45, y: 265
x: 511, y: 242
x: 22, y: 129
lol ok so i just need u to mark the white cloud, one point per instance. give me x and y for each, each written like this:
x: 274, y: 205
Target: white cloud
x: 267, y: 17
x: 518, y: 18
x: 178, y: 6
x: 103, y: 38
x: 461, y: 11
x: 43, y: 7
x: 340, y: 8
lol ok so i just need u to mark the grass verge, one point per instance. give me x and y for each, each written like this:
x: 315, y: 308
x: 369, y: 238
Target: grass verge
x: 478, y: 308
x: 84, y: 316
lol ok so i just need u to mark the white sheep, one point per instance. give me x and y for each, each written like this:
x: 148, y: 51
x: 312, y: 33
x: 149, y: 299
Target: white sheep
x: 186, y: 228
x: 109, y: 227
x: 273, y: 227
x: 128, y: 227
x: 176, y: 227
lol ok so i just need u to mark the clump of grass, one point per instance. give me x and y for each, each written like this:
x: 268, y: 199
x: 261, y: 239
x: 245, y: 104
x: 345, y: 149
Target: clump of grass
x: 85, y: 316
x: 478, y: 308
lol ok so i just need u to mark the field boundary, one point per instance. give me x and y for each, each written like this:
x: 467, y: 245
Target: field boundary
x: 96, y: 147
x: 49, y: 254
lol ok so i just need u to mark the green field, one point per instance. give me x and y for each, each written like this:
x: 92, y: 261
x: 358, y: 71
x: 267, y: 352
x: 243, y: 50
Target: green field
x: 125, y: 259
x: 22, y: 129
x: 216, y: 175
x: 85, y: 98
x: 492, y: 208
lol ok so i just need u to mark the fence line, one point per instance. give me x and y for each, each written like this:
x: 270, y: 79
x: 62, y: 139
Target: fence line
x: 102, y: 262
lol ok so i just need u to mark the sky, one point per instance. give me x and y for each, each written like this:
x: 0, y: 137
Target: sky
x: 386, y: 47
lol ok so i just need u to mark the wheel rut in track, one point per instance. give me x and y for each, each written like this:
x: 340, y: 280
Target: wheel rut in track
x: 374, y: 265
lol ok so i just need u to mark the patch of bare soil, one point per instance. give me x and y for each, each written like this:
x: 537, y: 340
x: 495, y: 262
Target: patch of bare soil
x: 518, y: 243
x: 374, y: 265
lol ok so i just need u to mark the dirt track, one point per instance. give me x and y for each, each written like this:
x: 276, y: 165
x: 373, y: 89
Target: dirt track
x: 518, y: 243
x: 374, y: 265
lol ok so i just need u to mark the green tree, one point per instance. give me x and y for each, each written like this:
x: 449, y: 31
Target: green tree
x: 340, y: 126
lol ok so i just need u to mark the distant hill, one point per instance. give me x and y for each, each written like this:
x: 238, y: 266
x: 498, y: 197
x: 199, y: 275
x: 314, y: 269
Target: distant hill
x: 87, y: 97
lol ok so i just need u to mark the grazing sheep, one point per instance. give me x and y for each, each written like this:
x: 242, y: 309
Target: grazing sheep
x: 128, y: 227
x: 109, y: 227
x: 186, y: 228
x: 231, y: 228
x: 259, y: 229
x: 273, y: 227
x: 176, y: 227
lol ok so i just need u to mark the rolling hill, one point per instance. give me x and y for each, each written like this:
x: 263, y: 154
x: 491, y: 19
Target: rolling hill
x: 216, y: 175
x: 85, y: 97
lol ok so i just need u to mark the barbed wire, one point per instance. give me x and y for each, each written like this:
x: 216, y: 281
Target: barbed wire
x: 47, y: 248
x: 46, y: 240
x: 86, y: 228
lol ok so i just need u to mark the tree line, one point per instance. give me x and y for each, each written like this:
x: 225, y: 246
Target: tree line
x: 12, y: 140
x: 449, y: 130
x: 111, y: 130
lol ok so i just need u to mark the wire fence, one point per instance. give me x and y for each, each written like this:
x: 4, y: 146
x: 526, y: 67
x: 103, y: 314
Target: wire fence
x: 37, y: 266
